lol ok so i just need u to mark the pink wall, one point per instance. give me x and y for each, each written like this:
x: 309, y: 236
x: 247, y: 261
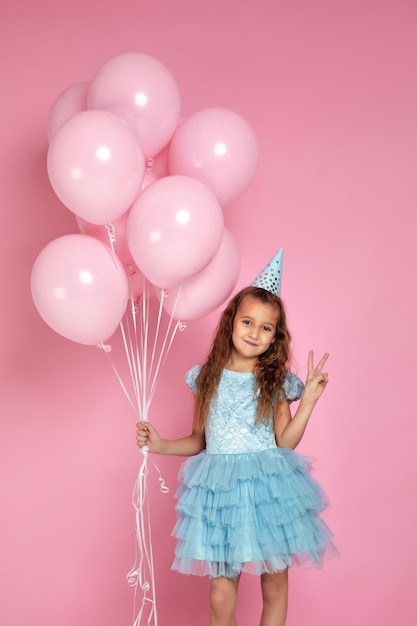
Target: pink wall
x: 330, y: 90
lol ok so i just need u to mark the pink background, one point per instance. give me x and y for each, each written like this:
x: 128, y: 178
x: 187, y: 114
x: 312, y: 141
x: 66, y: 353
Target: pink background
x: 330, y: 90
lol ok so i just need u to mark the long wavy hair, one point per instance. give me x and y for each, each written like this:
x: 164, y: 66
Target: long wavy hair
x: 270, y: 370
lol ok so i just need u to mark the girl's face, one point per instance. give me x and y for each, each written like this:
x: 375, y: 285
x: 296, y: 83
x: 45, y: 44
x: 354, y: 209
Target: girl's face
x: 254, y: 330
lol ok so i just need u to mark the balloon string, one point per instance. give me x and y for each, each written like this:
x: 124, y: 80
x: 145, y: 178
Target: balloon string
x: 165, y: 347
x: 162, y: 358
x: 144, y: 370
x: 144, y: 343
x: 138, y: 348
x: 138, y: 366
x: 132, y: 363
x: 142, y: 574
x: 138, y: 575
x: 158, y: 326
x: 146, y: 350
x: 156, y: 372
x: 162, y: 485
x: 119, y: 378
x: 111, y: 234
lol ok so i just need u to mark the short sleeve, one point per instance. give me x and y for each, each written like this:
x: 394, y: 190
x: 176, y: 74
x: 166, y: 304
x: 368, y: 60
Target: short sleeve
x: 191, y: 377
x: 293, y: 387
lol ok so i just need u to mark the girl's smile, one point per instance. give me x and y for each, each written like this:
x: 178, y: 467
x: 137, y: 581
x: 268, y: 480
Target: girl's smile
x: 254, y: 330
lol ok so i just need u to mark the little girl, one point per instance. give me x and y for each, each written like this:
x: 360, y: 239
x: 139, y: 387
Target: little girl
x: 247, y: 501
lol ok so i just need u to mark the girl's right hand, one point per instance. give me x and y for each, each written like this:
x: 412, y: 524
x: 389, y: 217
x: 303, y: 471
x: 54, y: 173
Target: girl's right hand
x: 147, y: 435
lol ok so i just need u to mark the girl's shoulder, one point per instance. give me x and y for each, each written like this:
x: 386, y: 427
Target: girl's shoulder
x: 191, y: 377
x: 293, y: 387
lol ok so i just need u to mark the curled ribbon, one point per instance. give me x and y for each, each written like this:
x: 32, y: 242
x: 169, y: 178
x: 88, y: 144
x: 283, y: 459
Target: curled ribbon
x: 142, y: 575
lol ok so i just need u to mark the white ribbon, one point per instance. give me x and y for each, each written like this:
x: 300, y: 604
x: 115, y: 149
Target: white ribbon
x: 145, y: 356
x: 142, y: 574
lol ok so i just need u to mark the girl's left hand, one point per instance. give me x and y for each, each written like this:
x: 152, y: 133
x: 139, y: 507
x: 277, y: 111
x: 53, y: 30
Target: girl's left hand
x: 316, y: 378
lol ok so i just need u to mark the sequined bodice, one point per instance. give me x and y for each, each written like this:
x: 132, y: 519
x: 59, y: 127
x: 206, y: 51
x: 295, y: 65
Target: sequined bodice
x: 231, y: 427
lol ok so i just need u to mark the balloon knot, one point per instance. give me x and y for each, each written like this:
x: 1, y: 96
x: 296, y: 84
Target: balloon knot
x: 130, y: 269
x: 111, y: 231
x: 105, y: 347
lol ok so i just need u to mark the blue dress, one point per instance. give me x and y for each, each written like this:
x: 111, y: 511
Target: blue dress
x: 245, y: 504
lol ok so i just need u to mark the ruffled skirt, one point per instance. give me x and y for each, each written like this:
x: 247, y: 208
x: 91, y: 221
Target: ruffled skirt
x: 257, y: 512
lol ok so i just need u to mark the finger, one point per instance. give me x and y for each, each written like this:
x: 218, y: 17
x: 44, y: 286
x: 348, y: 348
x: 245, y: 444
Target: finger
x: 321, y: 363
x: 141, y: 441
x: 310, y: 364
x: 322, y: 381
x: 143, y: 435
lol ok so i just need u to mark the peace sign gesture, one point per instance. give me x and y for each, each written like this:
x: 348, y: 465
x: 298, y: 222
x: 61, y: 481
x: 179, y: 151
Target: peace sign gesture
x: 316, y: 378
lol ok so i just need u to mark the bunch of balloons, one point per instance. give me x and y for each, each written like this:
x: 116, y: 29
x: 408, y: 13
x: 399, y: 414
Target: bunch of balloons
x: 148, y: 189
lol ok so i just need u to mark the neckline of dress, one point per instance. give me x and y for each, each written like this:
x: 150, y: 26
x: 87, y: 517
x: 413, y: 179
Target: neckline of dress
x: 236, y: 371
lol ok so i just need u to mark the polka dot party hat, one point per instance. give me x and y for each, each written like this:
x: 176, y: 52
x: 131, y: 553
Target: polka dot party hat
x: 270, y: 277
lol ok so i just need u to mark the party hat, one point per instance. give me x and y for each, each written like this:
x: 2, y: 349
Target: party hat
x: 270, y: 277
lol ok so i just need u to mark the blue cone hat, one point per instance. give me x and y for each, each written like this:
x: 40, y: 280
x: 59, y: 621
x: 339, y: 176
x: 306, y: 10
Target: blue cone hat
x: 270, y: 277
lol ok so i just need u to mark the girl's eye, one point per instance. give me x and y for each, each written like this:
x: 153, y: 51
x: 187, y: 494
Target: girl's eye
x: 247, y: 322
x: 267, y: 328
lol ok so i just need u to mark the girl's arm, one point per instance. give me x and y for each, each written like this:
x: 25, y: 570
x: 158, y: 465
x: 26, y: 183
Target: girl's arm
x: 289, y: 431
x: 147, y: 435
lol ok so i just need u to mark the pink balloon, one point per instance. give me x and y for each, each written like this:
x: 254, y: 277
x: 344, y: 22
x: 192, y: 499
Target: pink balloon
x: 114, y: 234
x: 71, y: 101
x: 203, y: 293
x: 174, y: 229
x: 79, y: 288
x: 219, y: 148
x: 96, y: 166
x: 142, y: 91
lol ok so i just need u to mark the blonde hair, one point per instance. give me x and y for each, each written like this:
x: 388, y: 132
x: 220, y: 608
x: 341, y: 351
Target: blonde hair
x: 270, y: 370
